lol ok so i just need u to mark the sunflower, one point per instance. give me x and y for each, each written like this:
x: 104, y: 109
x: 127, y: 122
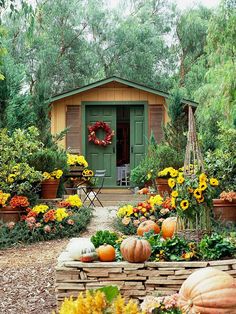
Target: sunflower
x: 200, y: 200
x: 171, y: 183
x: 202, y: 186
x: 180, y: 179
x: 190, y: 190
x: 174, y: 194
x: 214, y: 182
x: 197, y: 193
x: 202, y: 177
x: 184, y: 204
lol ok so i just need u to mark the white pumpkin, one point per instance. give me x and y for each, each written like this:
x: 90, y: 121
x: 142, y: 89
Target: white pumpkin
x: 80, y: 246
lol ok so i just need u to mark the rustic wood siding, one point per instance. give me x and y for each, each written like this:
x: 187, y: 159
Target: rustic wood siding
x: 108, y: 92
x: 73, y: 121
x: 156, y: 119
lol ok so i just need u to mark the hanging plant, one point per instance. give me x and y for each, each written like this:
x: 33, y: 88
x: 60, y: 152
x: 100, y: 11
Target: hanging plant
x: 92, y: 133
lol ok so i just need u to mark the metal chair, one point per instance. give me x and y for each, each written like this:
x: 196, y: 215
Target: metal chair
x: 125, y: 172
x: 96, y: 189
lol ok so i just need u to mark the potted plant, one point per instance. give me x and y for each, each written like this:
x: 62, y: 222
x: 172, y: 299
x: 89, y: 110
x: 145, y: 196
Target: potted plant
x: 168, y: 161
x: 222, y: 162
x: 225, y: 207
x: 12, y: 209
x: 76, y: 162
x: 52, y: 162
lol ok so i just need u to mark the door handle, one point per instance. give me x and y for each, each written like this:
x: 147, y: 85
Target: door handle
x: 132, y: 149
x: 114, y: 149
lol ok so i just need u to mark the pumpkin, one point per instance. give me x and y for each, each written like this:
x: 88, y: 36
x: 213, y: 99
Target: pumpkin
x: 147, y: 226
x: 106, y: 253
x: 80, y: 246
x: 208, y: 291
x: 135, y: 250
x: 168, y: 227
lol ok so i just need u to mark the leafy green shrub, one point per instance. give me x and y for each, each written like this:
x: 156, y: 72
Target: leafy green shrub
x: 16, y: 175
x: 158, y: 157
x: 171, y: 249
x: 104, y: 236
x: 216, y: 246
x: 49, y: 159
x: 129, y: 229
x: 25, y: 232
x: 221, y: 163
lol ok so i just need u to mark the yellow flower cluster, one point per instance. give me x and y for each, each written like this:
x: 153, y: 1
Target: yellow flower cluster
x: 96, y: 303
x: 126, y: 210
x: 74, y: 200
x: 60, y: 214
x: 40, y: 208
x: 155, y: 200
x: 3, y: 198
x: 76, y: 160
x: 168, y: 172
x: 56, y: 174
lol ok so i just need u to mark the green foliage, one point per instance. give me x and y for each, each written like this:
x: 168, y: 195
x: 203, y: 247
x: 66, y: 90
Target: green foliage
x: 218, y: 96
x: 129, y: 229
x: 21, y: 233
x: 216, y: 247
x: 158, y: 157
x: 104, y: 236
x: 171, y: 249
x: 111, y: 292
x: 16, y: 176
x: 175, y: 130
x: 221, y: 163
x: 48, y: 159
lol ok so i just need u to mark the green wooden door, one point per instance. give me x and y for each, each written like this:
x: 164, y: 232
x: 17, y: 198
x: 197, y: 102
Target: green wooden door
x: 137, y: 135
x: 100, y: 157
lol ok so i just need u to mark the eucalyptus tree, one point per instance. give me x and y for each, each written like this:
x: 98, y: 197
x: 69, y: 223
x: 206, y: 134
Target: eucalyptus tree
x: 191, y: 31
x: 217, y: 97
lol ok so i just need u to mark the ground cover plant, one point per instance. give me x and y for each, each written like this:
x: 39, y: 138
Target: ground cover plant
x: 43, y: 222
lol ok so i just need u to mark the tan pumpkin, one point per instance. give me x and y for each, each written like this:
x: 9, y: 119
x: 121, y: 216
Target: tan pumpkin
x: 135, y: 250
x: 168, y: 227
x: 208, y: 291
x: 147, y: 226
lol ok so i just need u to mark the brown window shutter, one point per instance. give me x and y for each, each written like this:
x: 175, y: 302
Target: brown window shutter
x: 156, y: 118
x: 73, y: 122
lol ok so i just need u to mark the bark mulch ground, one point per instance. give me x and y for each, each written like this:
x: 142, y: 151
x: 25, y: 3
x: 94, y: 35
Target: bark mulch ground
x: 27, y: 272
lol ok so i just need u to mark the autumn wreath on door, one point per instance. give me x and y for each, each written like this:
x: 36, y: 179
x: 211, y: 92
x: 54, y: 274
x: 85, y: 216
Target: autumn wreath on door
x: 108, y: 131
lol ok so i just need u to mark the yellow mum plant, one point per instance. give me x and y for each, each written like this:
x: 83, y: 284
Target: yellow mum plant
x: 76, y: 160
x: 98, y: 302
x: 56, y: 174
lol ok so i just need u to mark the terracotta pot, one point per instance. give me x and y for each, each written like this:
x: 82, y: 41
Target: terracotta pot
x: 49, y: 188
x: 9, y: 213
x: 162, y: 186
x: 224, y: 210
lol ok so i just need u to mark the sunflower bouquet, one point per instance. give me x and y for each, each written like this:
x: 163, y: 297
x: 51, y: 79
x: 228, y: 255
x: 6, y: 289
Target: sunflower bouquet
x: 192, y: 195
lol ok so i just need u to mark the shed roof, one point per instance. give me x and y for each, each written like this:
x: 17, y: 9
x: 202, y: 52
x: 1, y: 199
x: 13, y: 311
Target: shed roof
x: 122, y: 81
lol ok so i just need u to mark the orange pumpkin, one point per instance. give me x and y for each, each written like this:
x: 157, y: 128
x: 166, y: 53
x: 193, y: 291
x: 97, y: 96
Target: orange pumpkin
x: 208, y: 291
x: 135, y: 250
x: 147, y: 226
x: 106, y: 253
x: 168, y: 227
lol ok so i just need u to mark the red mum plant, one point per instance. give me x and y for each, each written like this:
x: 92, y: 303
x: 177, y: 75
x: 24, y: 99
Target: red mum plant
x: 19, y: 201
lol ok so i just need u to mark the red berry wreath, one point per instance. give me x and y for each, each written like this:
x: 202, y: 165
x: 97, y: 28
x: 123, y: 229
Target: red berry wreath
x: 92, y: 133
